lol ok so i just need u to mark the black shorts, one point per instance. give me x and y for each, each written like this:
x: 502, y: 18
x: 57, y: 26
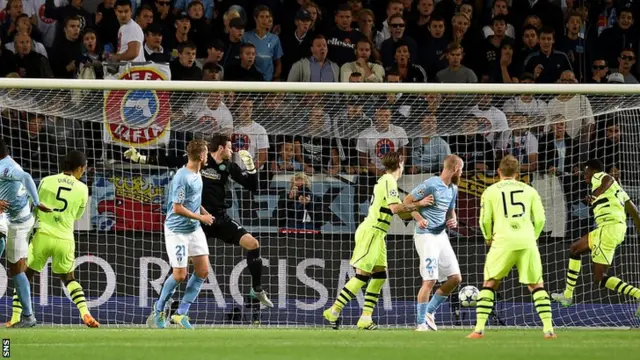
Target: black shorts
x: 225, y: 229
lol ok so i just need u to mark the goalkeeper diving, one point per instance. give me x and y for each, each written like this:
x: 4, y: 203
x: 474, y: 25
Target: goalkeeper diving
x: 511, y: 220
x: 370, y: 253
x: 610, y: 204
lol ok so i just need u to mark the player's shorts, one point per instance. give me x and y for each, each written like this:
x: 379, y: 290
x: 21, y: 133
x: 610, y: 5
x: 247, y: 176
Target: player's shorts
x: 499, y: 263
x: 180, y: 247
x: 437, y: 259
x: 3, y: 225
x: 604, y: 240
x: 225, y: 229
x: 43, y: 247
x: 18, y: 240
x: 370, y: 250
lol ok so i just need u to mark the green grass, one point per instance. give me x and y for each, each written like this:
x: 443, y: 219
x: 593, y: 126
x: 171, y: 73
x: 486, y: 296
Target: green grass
x: 266, y: 344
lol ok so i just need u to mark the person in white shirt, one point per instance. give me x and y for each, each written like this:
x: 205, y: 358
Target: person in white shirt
x: 210, y: 114
x: 522, y: 143
x: 528, y: 104
x: 370, y: 71
x: 249, y: 135
x: 130, y: 35
x: 492, y: 121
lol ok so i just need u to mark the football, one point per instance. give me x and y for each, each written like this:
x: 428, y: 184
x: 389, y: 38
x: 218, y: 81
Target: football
x: 468, y: 296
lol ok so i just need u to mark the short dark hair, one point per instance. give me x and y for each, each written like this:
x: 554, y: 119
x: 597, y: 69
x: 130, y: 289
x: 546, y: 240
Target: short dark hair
x: 391, y: 160
x: 194, y: 3
x: 623, y: 10
x: 260, y: 8
x: 246, y: 46
x: 71, y: 18
x: 435, y: 17
x: 530, y: 27
x: 73, y: 160
x: 218, y: 140
x: 391, y: 72
x: 547, y: 30
x: 212, y: 67
x: 355, y: 74
x: 123, y: 3
x: 4, y: 149
x: 499, y: 18
x: 595, y: 165
x: 343, y: 7
x: 318, y: 37
x: 195, y: 148
x: 187, y: 45
x: 143, y: 8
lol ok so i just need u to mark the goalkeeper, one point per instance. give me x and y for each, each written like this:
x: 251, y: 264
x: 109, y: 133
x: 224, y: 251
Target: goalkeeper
x: 610, y: 205
x: 511, y: 219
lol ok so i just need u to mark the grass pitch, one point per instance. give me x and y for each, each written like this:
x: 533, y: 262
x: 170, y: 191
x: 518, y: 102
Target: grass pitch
x: 307, y: 344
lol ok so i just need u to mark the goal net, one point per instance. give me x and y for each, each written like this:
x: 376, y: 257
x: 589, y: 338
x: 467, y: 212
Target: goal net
x: 325, y: 142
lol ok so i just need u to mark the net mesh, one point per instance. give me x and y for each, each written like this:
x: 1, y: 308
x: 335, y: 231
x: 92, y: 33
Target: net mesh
x: 331, y: 144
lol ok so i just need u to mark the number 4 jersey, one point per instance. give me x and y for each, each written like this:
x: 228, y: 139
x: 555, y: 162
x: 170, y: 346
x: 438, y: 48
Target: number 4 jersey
x: 67, y: 196
x: 512, y: 215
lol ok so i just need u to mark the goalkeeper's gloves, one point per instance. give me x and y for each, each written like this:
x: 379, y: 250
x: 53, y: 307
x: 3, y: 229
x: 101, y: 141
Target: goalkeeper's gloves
x: 248, y: 161
x: 133, y: 155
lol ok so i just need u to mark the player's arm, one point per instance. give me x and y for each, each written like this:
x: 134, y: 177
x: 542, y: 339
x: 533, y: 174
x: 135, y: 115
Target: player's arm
x: 30, y: 186
x: 486, y: 217
x: 452, y: 217
x: 203, y: 211
x: 606, y: 183
x: 537, y: 214
x: 130, y: 54
x: 419, y: 197
x: 177, y: 201
x: 632, y: 210
x: 248, y: 179
x: 85, y: 199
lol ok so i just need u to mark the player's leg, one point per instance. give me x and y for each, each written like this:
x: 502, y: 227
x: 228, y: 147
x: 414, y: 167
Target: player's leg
x: 17, y: 252
x: 176, y: 245
x: 371, y: 297
x: 529, y: 267
x: 576, y: 250
x: 198, y: 251
x: 425, y: 247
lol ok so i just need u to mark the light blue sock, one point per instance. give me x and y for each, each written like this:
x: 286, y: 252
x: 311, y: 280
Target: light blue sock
x: 168, y: 289
x: 421, y: 313
x: 23, y: 289
x: 190, y: 294
x: 3, y: 244
x: 435, y: 303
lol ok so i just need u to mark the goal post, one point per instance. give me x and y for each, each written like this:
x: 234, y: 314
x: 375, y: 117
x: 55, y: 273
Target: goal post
x: 318, y: 148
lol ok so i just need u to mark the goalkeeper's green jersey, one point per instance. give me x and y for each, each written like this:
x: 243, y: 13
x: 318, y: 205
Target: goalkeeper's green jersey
x: 67, y: 197
x: 385, y: 193
x: 608, y: 208
x: 511, y: 215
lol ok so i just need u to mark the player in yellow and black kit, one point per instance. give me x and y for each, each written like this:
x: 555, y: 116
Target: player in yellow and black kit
x: 610, y: 204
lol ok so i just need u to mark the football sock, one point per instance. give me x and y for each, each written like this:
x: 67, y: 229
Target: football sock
x: 372, y: 294
x: 190, y: 294
x: 77, y: 296
x: 16, y: 312
x: 254, y: 263
x: 349, y: 291
x: 619, y: 286
x: 168, y: 289
x: 23, y: 289
x: 542, y: 303
x: 572, y: 276
x: 421, y: 312
x: 484, y: 308
x: 435, y: 302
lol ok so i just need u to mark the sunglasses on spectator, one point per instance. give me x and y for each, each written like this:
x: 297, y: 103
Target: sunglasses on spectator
x: 397, y: 25
x: 163, y: 3
x: 599, y: 67
x: 627, y: 57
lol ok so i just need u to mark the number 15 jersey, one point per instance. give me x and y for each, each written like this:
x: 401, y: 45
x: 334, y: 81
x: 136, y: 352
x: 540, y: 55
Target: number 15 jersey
x: 67, y: 197
x: 512, y: 215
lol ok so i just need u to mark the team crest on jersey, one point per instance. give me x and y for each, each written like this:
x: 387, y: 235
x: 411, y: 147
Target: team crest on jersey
x: 47, y: 20
x: 209, y: 120
x: 240, y: 142
x: 383, y: 147
x: 138, y: 117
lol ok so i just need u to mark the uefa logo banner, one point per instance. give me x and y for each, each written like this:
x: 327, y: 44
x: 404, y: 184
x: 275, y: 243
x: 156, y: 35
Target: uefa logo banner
x: 138, y: 118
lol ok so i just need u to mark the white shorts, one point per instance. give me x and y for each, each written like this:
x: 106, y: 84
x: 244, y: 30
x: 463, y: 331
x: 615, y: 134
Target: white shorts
x: 180, y: 247
x: 18, y: 240
x: 437, y: 259
x: 3, y: 224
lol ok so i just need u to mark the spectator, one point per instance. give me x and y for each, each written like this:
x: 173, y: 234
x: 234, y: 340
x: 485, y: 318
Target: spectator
x: 68, y: 133
x: 609, y: 151
x: 367, y: 26
x: 615, y: 78
x: 68, y: 50
x: 107, y: 24
x: 346, y: 125
x: 547, y: 64
x: 557, y: 151
x: 23, y: 25
x: 316, y: 17
x: 13, y: 10
x: 547, y: 13
x: 181, y: 35
x: 623, y: 35
x: 355, y: 77
x: 317, y: 149
x: 245, y: 69
x: 394, y: 8
x: 356, y: 7
x: 29, y: 64
x: 529, y: 44
x: 599, y: 71
x: 183, y: 6
x: 298, y: 208
x: 6, y: 61
x: 215, y: 53
x: 233, y: 42
x: 74, y: 8
x: 456, y: 72
x: 317, y: 68
x: 526, y: 103
x: 130, y: 35
x: 209, y: 112
x: 211, y: 72
x: 370, y: 71
x: 164, y: 17
x: 285, y: 159
x: 432, y: 51
x: 419, y: 28
x: 499, y: 8
x: 493, y: 122
x: 429, y: 150
x: 184, y: 67
x: 493, y: 48
x: 626, y: 62
x: 343, y: 39
x: 409, y: 72
x: 573, y: 43
x: 144, y: 16
x: 153, y: 50
x: 92, y: 57
x: 267, y: 44
x: 200, y: 32
x: 297, y: 43
x: 35, y: 149
x: 470, y: 42
x: 472, y: 147
x: 388, y: 47
x: 248, y: 134
x: 522, y: 143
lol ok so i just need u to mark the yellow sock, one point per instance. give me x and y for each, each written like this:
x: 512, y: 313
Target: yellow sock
x: 572, y: 276
x: 373, y: 293
x: 16, y: 309
x: 484, y: 308
x: 542, y: 303
x: 349, y: 291
x: 77, y: 296
x: 619, y: 286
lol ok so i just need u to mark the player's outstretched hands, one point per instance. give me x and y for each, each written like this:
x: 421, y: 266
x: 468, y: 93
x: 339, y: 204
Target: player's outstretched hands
x: 44, y: 208
x: 207, y: 219
x: 452, y: 223
x: 133, y: 155
x: 248, y: 161
x: 426, y: 201
x: 4, y: 205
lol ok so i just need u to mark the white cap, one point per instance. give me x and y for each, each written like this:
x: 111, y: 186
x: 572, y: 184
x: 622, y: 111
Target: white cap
x: 615, y: 78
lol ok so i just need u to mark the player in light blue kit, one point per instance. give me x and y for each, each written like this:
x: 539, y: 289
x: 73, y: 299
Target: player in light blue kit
x: 16, y: 187
x: 184, y: 237
x: 438, y: 262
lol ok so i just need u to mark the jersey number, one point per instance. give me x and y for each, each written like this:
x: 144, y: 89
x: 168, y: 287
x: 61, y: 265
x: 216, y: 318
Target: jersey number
x: 61, y: 199
x: 513, y: 203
